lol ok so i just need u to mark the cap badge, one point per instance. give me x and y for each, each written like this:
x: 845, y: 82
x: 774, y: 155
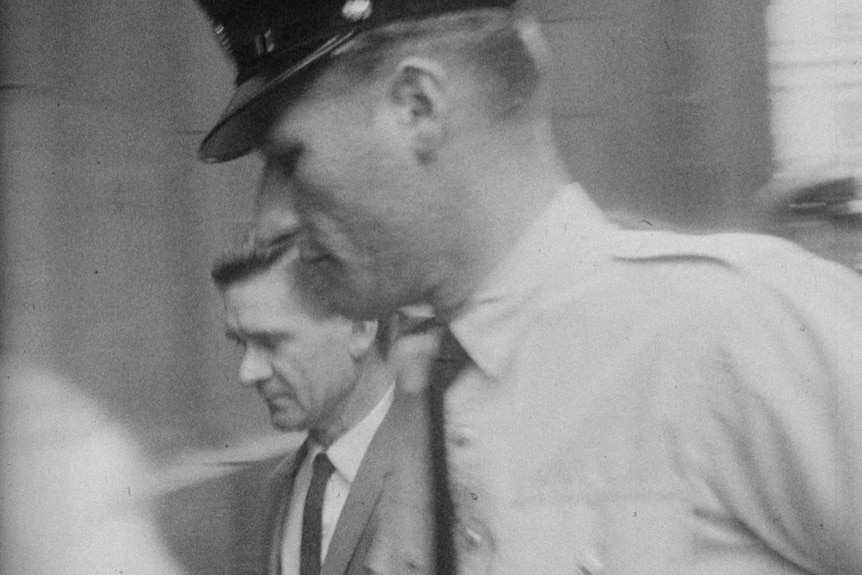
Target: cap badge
x: 223, y: 37
x: 356, y: 10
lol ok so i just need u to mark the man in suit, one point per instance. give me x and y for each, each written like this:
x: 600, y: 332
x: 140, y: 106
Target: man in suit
x: 631, y: 402
x: 320, y: 372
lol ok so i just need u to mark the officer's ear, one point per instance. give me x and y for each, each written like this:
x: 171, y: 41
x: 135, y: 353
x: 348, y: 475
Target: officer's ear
x: 363, y: 335
x: 418, y: 96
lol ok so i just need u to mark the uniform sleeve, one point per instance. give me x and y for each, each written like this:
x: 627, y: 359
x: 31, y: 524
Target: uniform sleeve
x: 779, y: 428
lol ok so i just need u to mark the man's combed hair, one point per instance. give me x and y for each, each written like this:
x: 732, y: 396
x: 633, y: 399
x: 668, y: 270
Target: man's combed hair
x: 254, y: 257
x: 250, y: 259
x: 507, y: 61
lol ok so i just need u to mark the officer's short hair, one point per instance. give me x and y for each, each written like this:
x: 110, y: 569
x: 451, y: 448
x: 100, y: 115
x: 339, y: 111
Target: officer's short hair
x: 489, y: 43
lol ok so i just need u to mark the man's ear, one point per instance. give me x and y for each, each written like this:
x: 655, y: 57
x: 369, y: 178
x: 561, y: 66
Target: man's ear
x: 363, y: 335
x: 419, y: 97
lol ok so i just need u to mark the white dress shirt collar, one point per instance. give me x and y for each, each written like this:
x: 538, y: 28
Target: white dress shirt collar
x: 347, y: 451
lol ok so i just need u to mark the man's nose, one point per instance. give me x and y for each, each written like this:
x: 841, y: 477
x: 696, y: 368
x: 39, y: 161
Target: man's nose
x: 255, y: 367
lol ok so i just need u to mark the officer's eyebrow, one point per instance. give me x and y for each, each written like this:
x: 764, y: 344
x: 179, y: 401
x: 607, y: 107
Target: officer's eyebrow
x: 233, y: 336
x: 264, y: 336
x: 282, y: 157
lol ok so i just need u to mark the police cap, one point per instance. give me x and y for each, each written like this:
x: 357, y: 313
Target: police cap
x: 272, y: 41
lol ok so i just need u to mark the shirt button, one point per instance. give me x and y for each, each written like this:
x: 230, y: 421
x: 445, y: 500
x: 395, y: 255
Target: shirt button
x: 475, y: 547
x: 472, y: 538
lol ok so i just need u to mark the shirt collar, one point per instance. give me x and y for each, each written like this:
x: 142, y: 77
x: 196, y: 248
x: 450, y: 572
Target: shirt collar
x: 555, y: 251
x: 347, y: 451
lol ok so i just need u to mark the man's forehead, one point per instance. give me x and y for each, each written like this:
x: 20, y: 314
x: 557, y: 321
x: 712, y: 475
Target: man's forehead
x: 259, y: 288
x: 262, y: 302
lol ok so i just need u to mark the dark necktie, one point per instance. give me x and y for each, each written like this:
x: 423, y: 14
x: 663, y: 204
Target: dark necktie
x: 450, y: 361
x: 309, y: 561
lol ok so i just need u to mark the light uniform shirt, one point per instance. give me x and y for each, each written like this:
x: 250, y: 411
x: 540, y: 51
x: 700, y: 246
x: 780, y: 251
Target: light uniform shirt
x: 655, y: 403
x: 346, y: 455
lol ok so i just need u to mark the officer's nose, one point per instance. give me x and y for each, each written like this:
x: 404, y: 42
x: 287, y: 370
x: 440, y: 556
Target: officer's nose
x: 275, y: 213
x: 255, y: 367
x: 279, y: 170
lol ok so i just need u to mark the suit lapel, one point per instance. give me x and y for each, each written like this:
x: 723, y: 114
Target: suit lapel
x: 362, y: 499
x: 277, y: 507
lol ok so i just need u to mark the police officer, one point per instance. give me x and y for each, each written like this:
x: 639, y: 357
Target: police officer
x: 632, y: 402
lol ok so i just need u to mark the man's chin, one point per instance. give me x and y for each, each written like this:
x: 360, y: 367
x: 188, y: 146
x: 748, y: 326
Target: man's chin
x: 283, y: 420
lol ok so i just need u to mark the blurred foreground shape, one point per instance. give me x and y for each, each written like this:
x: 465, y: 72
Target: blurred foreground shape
x: 822, y: 213
x: 75, y: 485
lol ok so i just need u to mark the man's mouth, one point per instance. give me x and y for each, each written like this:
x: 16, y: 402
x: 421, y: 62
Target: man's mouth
x: 277, y: 399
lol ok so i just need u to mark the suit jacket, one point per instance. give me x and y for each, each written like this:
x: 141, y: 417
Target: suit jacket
x: 391, y: 482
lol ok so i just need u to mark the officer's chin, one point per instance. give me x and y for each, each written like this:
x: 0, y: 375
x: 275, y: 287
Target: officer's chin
x: 329, y: 284
x: 282, y: 422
